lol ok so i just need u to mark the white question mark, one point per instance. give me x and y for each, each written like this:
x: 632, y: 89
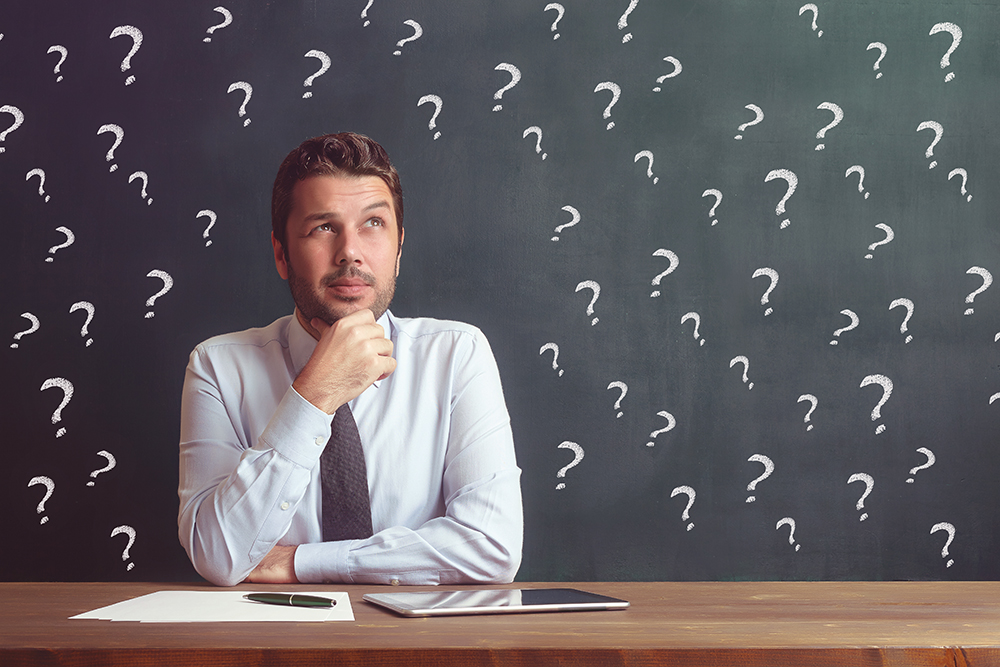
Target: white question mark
x: 119, y: 135
x: 938, y: 133
x: 618, y: 403
x: 417, y: 32
x: 623, y: 20
x: 50, y: 486
x: 812, y: 399
x: 578, y: 456
x: 886, y: 384
x: 697, y: 323
x: 838, y: 115
x: 130, y: 531
x: 759, y: 117
x: 32, y: 329
x: 41, y: 182
x: 89, y: 307
x: 207, y: 213
x: 649, y: 169
x: 950, y: 529
x: 768, y: 469
x: 18, y: 121
x: 746, y: 367
x: 616, y: 92
x: 790, y: 522
x: 718, y: 200
x: 364, y: 13
x: 168, y: 282
x: 854, y: 324
x: 987, y: 281
x: 678, y: 68
x: 136, y: 36
x: 61, y: 50
x: 70, y: 238
x: 576, y: 218
x: 793, y: 182
x: 815, y: 11
x: 773, y: 276
x: 515, y: 76
x: 111, y: 464
x: 860, y: 171
x: 889, y: 235
x: 324, y: 66
x: 560, y: 11
x: 227, y: 18
x: 965, y: 179
x: 930, y: 461
x: 689, y: 492
x: 248, y: 90
x: 534, y: 129
x: 141, y: 175
x: 436, y: 101
x: 671, y: 423
x: 869, y: 485
x: 956, y: 39
x: 67, y: 388
x: 674, y: 263
x: 906, y: 303
x: 591, y: 285
x: 881, y: 47
x: 555, y: 356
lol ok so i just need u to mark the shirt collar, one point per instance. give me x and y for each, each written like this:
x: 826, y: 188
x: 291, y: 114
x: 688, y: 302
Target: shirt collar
x: 301, y: 344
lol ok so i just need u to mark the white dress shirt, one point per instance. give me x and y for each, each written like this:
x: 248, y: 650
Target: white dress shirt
x: 443, y: 481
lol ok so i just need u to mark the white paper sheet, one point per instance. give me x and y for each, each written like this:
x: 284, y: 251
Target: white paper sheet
x: 217, y: 606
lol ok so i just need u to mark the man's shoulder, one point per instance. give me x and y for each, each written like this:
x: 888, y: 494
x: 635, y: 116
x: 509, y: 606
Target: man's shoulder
x: 420, y: 327
x: 257, y: 337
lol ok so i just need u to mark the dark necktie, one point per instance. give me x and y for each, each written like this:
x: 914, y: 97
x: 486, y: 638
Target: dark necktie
x: 347, y: 514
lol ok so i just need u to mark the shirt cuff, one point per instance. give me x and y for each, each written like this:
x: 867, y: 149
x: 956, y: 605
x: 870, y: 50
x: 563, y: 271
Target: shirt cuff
x: 298, y: 430
x: 323, y: 562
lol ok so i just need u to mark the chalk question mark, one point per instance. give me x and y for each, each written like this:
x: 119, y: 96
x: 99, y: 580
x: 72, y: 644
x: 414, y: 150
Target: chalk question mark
x: 119, y: 135
x: 814, y: 401
x: 364, y: 13
x: 70, y: 238
x: 623, y: 20
x: 417, y: 32
x: 889, y: 236
x: 956, y: 39
x: 41, y: 182
x: 67, y: 388
x: 954, y: 172
x: 436, y: 101
x: 616, y: 92
x: 853, y: 325
x: 30, y: 330
x: 674, y: 263
x: 515, y: 76
x: 136, y: 35
x: 793, y: 182
x: 690, y: 493
x: 649, y: 170
x: 18, y: 121
x: 141, y: 175
x: 324, y: 66
x: 773, y: 276
x: 111, y: 464
x: 759, y: 117
x: 576, y: 218
x: 881, y: 47
x: 89, y: 308
x: 906, y: 303
x: 746, y: 367
x: 534, y: 129
x: 886, y: 385
x: 869, y: 485
x: 624, y: 390
x: 555, y: 356
x: 768, y: 469
x: 560, y: 10
x: 168, y: 282
x: 61, y: 50
x: 790, y: 522
x: 577, y: 457
x: 815, y: 12
x: 671, y: 423
x: 130, y: 531
x: 860, y: 171
x: 987, y: 281
x: 697, y: 323
x: 718, y: 200
x: 931, y: 459
x: 678, y: 68
x: 206, y: 213
x: 838, y: 115
x: 591, y: 285
x: 227, y: 18
x: 248, y: 93
x: 938, y: 133
x: 50, y: 487
x: 950, y: 529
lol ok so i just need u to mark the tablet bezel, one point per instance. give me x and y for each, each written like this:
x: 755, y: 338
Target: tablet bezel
x: 406, y: 602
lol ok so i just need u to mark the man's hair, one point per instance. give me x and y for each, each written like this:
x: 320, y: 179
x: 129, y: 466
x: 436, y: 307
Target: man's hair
x: 344, y: 154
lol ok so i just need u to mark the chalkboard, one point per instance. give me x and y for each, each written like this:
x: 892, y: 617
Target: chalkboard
x: 734, y: 259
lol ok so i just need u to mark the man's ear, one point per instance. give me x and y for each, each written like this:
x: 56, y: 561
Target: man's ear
x: 280, y: 260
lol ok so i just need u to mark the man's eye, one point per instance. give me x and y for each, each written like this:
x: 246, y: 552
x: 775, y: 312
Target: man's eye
x: 375, y: 222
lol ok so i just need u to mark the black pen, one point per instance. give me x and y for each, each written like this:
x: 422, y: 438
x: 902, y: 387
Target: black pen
x: 291, y: 600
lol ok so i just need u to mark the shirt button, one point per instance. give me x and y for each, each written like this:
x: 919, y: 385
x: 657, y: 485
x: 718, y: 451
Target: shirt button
x: 319, y: 441
x: 285, y: 505
x: 394, y: 582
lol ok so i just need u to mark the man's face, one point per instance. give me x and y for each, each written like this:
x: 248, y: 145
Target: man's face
x: 342, y: 247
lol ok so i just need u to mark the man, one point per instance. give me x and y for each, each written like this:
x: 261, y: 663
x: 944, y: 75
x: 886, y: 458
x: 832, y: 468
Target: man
x: 268, y: 483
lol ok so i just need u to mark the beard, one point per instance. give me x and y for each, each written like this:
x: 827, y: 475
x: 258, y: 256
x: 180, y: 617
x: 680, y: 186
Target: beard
x: 310, y: 299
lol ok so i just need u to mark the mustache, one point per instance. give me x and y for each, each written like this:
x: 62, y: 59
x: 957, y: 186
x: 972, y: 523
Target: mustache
x: 349, y: 271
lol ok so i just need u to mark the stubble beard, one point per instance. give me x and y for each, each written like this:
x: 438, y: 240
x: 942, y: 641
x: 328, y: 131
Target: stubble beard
x: 310, y: 302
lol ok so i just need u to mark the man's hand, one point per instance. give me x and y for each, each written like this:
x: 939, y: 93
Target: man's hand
x: 349, y: 357
x: 278, y: 567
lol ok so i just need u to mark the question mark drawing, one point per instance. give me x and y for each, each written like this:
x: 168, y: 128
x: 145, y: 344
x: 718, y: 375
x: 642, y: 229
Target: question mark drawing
x: 248, y: 90
x: 938, y: 133
x: 718, y: 200
x: 853, y: 325
x: 515, y: 76
x: 812, y: 399
x: 623, y: 20
x: 768, y: 469
x: 534, y: 129
x: 678, y: 68
x: 89, y: 308
x: 906, y: 303
x: 560, y: 10
x: 616, y: 92
x: 227, y: 18
x: 141, y: 175
x: 364, y: 13
x: 576, y: 219
x: 591, y: 285
x: 136, y: 35
x: 869, y: 485
x: 931, y: 459
x: 793, y: 183
x: 168, y: 282
x: 50, y: 486
x: 697, y: 323
x: 881, y: 47
x: 746, y: 367
x: 18, y: 121
x: 41, y: 182
x: 889, y: 236
x: 954, y: 172
x: 649, y: 169
x: 324, y: 66
x: 555, y: 356
x: 111, y: 464
x: 838, y: 115
x: 950, y: 529
x: 987, y: 281
x: 860, y: 171
x: 436, y: 101
x: 30, y: 330
x: 759, y: 117
x: 417, y: 32
x: 886, y: 385
x: 61, y: 50
x: 130, y: 531
x: 671, y: 423
x: 70, y: 238
x: 956, y: 39
x: 119, y: 135
x: 67, y: 388
x: 674, y: 263
x: 618, y: 404
x: 689, y: 492
x: 577, y: 457
x: 773, y: 276
x: 790, y: 522
x: 206, y: 213
x: 815, y: 12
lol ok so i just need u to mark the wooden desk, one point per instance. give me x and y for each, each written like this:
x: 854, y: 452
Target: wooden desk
x: 769, y: 624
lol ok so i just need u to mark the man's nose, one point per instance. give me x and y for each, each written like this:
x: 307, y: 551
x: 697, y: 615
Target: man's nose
x: 348, y: 250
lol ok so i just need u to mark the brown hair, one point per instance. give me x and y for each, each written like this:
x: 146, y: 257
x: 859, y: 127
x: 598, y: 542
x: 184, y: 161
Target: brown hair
x: 347, y: 154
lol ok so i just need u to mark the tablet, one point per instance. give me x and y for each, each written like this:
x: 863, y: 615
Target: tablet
x: 493, y: 601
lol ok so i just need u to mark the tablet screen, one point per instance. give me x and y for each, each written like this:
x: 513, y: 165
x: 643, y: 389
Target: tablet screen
x: 493, y: 601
